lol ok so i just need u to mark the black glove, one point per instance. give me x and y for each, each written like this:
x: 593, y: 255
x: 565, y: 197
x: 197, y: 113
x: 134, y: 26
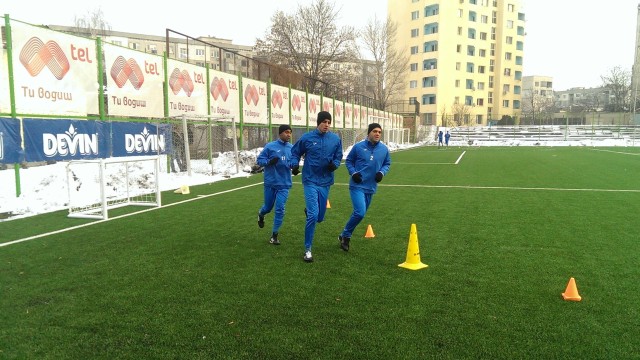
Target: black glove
x: 357, y: 177
x: 379, y: 176
x: 295, y: 170
x: 273, y: 161
x: 332, y: 167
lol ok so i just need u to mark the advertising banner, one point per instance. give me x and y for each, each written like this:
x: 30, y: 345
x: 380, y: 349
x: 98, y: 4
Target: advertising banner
x: 224, y: 95
x: 54, y: 73
x: 187, y: 89
x: 356, y: 116
x: 348, y: 115
x: 134, y: 82
x: 62, y: 139
x: 298, y: 108
x: 5, y: 99
x: 254, y: 104
x: 338, y: 114
x: 279, y: 104
x: 314, y: 107
x: 10, y: 149
x: 139, y: 139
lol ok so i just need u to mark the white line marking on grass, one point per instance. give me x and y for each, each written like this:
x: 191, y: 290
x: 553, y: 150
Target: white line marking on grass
x: 509, y: 188
x: 460, y: 158
x: 125, y: 215
x: 617, y: 152
x: 408, y: 163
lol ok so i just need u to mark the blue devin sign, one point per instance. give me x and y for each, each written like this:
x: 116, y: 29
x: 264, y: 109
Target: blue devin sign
x: 136, y: 139
x: 62, y: 139
x: 10, y: 149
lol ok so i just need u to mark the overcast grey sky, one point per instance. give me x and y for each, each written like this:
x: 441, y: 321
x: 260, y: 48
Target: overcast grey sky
x: 573, y: 41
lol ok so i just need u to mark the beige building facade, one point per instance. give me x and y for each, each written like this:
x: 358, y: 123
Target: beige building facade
x: 466, y: 58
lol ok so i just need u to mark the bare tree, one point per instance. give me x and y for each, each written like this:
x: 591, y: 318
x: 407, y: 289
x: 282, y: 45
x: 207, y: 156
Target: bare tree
x: 618, y: 81
x: 309, y: 42
x: 536, y: 106
x: 461, y: 113
x: 92, y: 23
x: 390, y: 65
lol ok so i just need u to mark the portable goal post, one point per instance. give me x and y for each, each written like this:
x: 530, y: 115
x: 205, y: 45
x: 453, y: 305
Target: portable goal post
x: 97, y: 185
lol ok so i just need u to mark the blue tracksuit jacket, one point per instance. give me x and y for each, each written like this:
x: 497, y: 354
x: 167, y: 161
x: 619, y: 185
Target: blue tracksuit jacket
x: 318, y: 150
x: 278, y: 176
x: 367, y: 159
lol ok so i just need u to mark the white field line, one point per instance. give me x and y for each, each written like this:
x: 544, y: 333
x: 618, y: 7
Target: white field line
x: 426, y: 163
x: 509, y: 188
x: 617, y: 152
x: 124, y: 216
x: 460, y: 158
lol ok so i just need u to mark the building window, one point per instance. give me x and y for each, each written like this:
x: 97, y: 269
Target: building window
x: 183, y: 53
x: 507, y: 56
x: 152, y: 49
x: 415, y: 15
x: 470, y: 67
x: 414, y: 67
x: 490, y: 81
x: 509, y: 40
x: 472, y: 16
x: 505, y: 89
x: 479, y: 120
x: 458, y: 66
x: 484, y: 19
x: 483, y: 36
x: 457, y: 83
x: 414, y: 50
x: 199, y: 52
x: 459, y: 30
x: 505, y: 103
x: 480, y: 86
x: 460, y: 13
x: 414, y: 33
x: 507, y: 72
x: 510, y: 7
x: 134, y: 46
x: 471, y: 33
x: 481, y: 69
x: 482, y: 52
x: 458, y: 48
x: 480, y: 102
x: 509, y: 24
x: 469, y: 85
x: 471, y: 50
x: 413, y: 84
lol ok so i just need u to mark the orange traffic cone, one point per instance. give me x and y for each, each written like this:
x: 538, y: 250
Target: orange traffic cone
x: 328, y: 204
x: 571, y: 293
x: 413, y: 253
x: 369, y: 233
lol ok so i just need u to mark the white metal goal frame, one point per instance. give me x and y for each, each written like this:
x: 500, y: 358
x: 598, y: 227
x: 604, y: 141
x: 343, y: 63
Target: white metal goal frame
x: 394, y: 135
x: 97, y: 185
x: 208, y: 118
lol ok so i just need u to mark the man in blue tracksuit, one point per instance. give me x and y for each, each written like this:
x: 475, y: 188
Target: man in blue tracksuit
x: 368, y: 162
x: 275, y: 158
x: 322, y: 151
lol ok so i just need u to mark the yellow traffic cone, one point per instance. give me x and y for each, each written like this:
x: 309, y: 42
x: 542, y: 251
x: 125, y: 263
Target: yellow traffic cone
x: 571, y: 293
x: 413, y: 252
x: 328, y: 204
x: 369, y: 233
x: 184, y: 189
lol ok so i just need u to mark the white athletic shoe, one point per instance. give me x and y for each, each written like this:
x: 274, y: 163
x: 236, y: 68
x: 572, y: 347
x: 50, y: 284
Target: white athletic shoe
x: 308, y: 257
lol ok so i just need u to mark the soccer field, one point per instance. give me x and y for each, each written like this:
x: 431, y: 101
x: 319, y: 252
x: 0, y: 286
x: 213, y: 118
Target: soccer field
x: 502, y: 231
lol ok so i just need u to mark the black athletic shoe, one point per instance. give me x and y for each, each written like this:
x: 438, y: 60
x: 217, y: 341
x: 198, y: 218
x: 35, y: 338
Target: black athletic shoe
x: 274, y: 239
x: 260, y: 221
x: 344, y: 242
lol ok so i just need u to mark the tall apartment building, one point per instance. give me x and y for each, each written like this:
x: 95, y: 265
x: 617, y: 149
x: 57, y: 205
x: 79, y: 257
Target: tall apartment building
x: 466, y: 58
